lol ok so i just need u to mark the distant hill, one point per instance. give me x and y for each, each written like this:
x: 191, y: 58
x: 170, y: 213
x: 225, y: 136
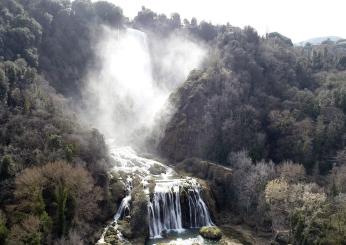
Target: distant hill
x: 319, y: 40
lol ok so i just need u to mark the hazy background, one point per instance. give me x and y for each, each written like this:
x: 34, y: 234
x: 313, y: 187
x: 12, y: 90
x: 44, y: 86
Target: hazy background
x: 122, y: 97
x: 297, y: 19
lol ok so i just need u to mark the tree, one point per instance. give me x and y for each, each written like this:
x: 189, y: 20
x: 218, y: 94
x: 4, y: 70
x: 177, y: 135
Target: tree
x: 3, y: 228
x: 291, y: 172
x: 71, y: 188
x: 109, y: 13
x: 337, y: 180
x: 291, y: 204
x: 249, y: 181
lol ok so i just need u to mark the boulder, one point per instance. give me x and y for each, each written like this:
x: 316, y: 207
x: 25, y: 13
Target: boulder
x: 125, y: 229
x: 282, y: 237
x: 211, y: 232
x: 157, y: 169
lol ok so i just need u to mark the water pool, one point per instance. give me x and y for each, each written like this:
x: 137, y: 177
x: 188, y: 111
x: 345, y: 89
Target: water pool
x: 185, y: 237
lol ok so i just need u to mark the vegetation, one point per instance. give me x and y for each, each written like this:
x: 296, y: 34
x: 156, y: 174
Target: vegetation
x: 56, y: 196
x: 53, y: 171
x: 272, y: 112
x: 275, y: 114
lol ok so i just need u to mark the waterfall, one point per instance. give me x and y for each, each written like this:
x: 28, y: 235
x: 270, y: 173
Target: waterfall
x: 122, y: 99
x: 198, y: 211
x: 124, y: 208
x: 165, y: 208
x: 165, y: 211
x: 121, y: 96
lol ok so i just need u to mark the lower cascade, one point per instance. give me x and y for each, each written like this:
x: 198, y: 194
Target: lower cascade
x: 124, y: 208
x: 165, y: 208
x: 174, y: 204
x: 165, y: 211
x: 198, y: 210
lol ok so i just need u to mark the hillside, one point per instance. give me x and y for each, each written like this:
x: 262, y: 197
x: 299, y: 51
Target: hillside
x: 259, y: 123
x: 319, y: 40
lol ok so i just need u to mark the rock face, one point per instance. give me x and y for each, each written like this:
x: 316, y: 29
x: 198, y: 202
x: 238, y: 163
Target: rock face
x: 211, y: 233
x: 218, y: 177
x: 139, y: 214
x: 111, y: 237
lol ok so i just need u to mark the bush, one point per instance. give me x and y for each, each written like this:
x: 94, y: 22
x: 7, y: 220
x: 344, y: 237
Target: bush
x: 66, y: 193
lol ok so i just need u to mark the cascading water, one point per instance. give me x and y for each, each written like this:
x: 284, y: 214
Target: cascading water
x: 165, y: 211
x: 165, y: 208
x: 124, y: 207
x: 121, y: 100
x: 198, y: 210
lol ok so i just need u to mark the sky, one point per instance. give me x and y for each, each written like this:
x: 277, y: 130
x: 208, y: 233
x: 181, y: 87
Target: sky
x: 296, y: 19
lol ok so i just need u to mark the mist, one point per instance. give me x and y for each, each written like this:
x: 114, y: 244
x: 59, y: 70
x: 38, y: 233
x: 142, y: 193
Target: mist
x: 129, y: 90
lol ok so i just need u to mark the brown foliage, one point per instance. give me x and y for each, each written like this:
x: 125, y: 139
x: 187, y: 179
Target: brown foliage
x: 291, y: 172
x: 76, y: 180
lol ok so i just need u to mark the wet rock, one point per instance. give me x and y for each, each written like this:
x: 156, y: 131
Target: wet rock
x: 157, y: 169
x: 139, y: 213
x: 218, y: 177
x: 282, y: 237
x: 112, y: 240
x: 211, y: 232
x: 125, y: 229
x: 111, y: 236
x: 111, y: 231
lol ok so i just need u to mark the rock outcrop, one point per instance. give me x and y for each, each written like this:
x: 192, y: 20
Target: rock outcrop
x: 218, y: 177
x: 211, y: 232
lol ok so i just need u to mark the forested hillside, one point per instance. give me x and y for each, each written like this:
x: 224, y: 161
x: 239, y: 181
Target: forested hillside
x: 53, y: 171
x: 273, y: 112
x: 276, y: 101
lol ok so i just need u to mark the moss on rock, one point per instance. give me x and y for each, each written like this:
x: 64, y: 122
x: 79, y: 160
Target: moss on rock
x: 157, y: 169
x: 139, y: 213
x: 125, y: 229
x: 111, y: 236
x: 210, y: 232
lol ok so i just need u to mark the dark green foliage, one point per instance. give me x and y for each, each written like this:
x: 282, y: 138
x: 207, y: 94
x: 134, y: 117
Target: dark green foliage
x: 259, y: 94
x: 264, y: 95
x: 8, y: 168
x: 61, y: 194
x: 3, y: 229
x: 324, y: 227
x: 47, y: 37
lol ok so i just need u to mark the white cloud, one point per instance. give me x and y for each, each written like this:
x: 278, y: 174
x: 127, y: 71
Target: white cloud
x: 297, y: 19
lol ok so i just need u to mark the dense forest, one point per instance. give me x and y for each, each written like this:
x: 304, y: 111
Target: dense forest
x: 271, y: 111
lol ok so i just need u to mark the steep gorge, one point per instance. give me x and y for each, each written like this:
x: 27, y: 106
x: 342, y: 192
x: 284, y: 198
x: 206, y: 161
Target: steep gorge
x: 123, y: 100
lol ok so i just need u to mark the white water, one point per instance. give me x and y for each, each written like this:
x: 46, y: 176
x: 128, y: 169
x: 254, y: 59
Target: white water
x: 198, y: 210
x: 165, y: 211
x: 122, y: 100
x: 165, y: 208
x: 122, y: 97
x: 124, y: 207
